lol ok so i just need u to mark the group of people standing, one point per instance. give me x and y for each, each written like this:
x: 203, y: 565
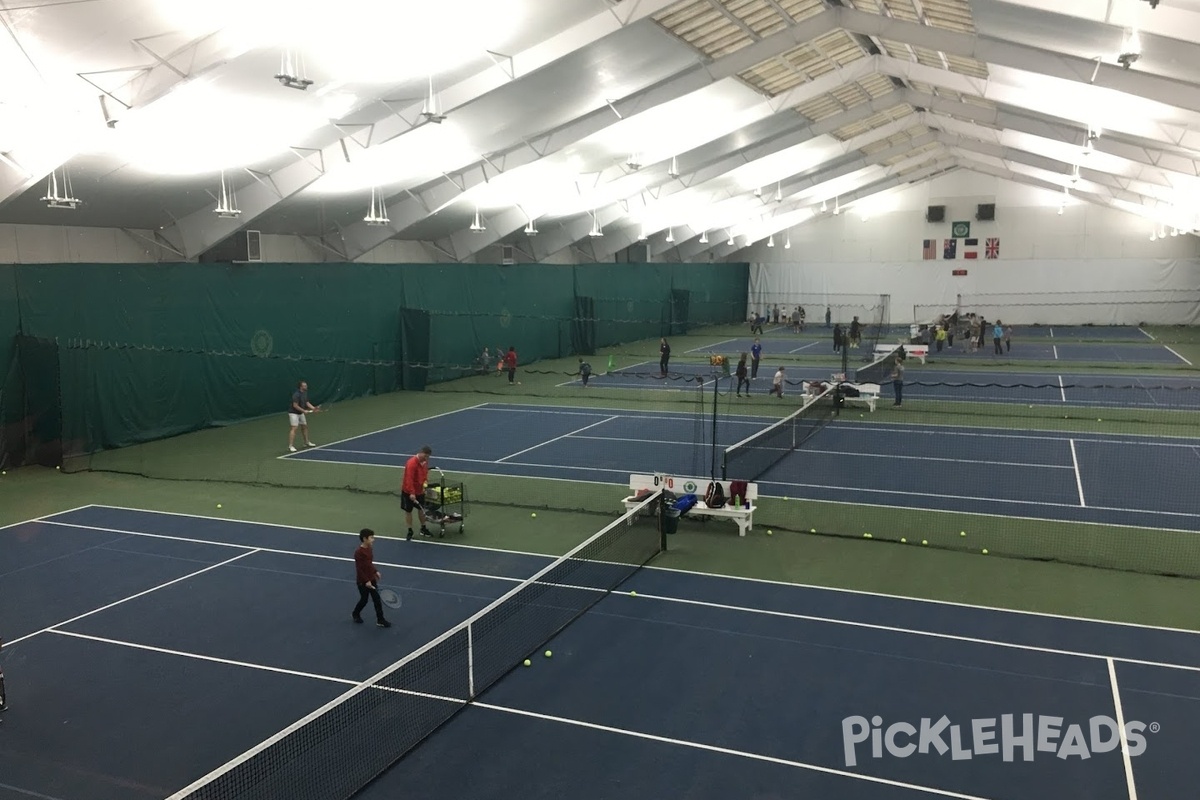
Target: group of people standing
x: 797, y: 318
x: 972, y: 330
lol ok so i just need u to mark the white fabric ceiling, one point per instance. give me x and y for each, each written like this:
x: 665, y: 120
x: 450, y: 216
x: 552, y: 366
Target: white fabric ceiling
x: 684, y: 122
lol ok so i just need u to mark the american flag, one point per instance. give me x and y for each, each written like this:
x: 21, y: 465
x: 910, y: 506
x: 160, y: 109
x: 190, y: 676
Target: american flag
x: 992, y: 248
x: 930, y: 249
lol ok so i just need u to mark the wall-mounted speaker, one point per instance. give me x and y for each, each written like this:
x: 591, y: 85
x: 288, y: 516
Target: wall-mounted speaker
x: 243, y: 247
x: 935, y: 214
x: 985, y: 212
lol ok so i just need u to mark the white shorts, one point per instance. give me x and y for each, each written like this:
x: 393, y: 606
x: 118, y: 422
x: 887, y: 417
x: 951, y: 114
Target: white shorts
x: 297, y: 419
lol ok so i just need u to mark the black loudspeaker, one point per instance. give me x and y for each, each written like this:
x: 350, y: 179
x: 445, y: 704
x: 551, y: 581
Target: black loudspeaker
x: 935, y: 214
x: 985, y: 212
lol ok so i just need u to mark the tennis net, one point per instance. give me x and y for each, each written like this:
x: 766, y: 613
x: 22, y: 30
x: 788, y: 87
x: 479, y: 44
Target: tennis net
x: 341, y: 747
x: 750, y: 458
x: 880, y: 369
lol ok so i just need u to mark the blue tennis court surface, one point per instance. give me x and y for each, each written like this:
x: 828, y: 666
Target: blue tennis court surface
x: 699, y: 686
x: 1083, y: 477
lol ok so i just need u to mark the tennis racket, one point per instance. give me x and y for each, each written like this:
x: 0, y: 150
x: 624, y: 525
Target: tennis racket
x: 390, y: 598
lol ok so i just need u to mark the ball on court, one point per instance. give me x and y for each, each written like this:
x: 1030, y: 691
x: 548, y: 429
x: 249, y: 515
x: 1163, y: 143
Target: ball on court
x: 3, y: 472
x: 548, y: 654
x: 58, y: 467
x: 218, y: 505
x: 534, y: 514
x: 770, y: 532
x: 812, y: 530
x: 867, y: 536
x: 903, y: 540
x: 985, y: 551
x: 633, y: 594
x: 1099, y: 420
x: 528, y: 662
x: 925, y: 542
x: 962, y: 533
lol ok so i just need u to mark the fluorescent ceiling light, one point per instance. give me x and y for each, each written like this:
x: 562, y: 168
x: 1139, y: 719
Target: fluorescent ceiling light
x: 357, y: 40
x: 200, y: 128
x: 422, y: 154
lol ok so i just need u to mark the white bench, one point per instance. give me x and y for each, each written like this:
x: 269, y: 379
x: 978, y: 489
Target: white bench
x: 868, y: 393
x: 743, y: 517
x: 918, y: 351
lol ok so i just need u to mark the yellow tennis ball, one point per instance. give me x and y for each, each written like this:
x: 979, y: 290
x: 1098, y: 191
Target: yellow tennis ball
x: 1099, y: 420
x: 633, y: 594
x: 962, y: 533
x: 903, y: 540
x: 218, y: 505
x: 985, y: 551
x: 528, y: 662
x: 548, y: 654
x: 770, y: 532
x: 925, y: 542
x: 812, y: 530
x: 534, y: 514
x: 3, y: 472
x: 867, y: 536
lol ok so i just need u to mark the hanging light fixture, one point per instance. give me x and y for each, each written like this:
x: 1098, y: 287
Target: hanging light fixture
x: 59, y: 191
x: 731, y: 242
x: 771, y: 240
x: 377, y: 211
x: 837, y: 206
x: 670, y: 235
x: 477, y: 224
x: 227, y: 207
x: 596, y: 232
x: 673, y: 170
x: 758, y: 191
x: 704, y: 238
x: 531, y: 228
x: 787, y: 242
x: 778, y: 192
x: 291, y: 71
x: 824, y: 207
x: 430, y: 112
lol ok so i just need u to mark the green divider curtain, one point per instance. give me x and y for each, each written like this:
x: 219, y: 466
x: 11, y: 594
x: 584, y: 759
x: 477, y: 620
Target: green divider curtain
x: 583, y: 327
x: 680, y: 305
x: 40, y: 428
x: 415, y: 329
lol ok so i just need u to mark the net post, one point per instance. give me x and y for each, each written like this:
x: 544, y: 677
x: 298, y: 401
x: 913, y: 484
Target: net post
x: 471, y: 660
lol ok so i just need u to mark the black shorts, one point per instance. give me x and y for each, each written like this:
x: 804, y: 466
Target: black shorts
x: 407, y: 504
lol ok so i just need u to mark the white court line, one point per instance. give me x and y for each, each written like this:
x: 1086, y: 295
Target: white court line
x: 1143, y: 330
x: 1055, y: 351
x: 8, y: 787
x: 805, y: 347
x: 202, y: 657
x: 1116, y: 692
x: 1062, y: 389
x: 726, y: 751
x: 709, y: 346
x: 953, y: 637
x: 631, y: 366
x: 557, y: 438
x: 1078, y: 477
x: 385, y: 430
x: 683, y: 571
x: 132, y: 596
x: 299, y: 553
x: 1052, y: 335
x: 1184, y: 360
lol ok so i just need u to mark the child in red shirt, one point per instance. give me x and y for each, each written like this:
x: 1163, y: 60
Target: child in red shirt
x: 367, y: 578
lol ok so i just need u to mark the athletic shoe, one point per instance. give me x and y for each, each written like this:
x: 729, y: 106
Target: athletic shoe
x: 382, y: 623
x: 408, y: 538
x: 425, y: 532
x: 292, y: 448
x: 309, y: 444
x: 357, y: 619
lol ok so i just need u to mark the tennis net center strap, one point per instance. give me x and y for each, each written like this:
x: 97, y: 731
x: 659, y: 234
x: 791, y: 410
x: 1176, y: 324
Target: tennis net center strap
x: 336, y: 750
x: 750, y: 458
x: 879, y: 370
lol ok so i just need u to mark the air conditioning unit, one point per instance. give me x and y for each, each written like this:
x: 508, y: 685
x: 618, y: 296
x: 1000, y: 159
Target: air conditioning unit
x: 508, y: 255
x: 243, y: 247
x: 985, y: 212
x: 935, y: 214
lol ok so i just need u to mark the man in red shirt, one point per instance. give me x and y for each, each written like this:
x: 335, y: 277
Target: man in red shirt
x: 510, y: 364
x: 412, y: 490
x: 367, y: 578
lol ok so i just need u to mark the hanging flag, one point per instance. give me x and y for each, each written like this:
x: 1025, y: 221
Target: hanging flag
x: 930, y: 249
x: 950, y: 248
x: 971, y: 248
x: 992, y: 248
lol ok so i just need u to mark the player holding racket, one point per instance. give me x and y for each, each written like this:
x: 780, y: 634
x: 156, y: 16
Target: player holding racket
x: 296, y: 415
x: 412, y: 490
x: 367, y: 578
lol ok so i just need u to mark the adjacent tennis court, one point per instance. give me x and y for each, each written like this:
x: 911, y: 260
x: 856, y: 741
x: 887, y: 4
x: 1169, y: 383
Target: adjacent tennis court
x: 674, y: 683
x: 1088, y: 477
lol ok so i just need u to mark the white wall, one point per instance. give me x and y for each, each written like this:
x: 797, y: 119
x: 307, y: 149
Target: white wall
x: 65, y: 244
x: 1044, y: 257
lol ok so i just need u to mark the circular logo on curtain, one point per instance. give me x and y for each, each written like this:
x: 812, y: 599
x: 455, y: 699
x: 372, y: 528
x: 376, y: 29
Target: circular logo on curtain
x: 505, y: 318
x: 960, y: 230
x: 261, y: 344
x: 690, y: 487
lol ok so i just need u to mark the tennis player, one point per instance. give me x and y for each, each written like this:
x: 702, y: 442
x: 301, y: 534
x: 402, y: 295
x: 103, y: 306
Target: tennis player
x: 777, y: 384
x: 297, y: 415
x: 367, y: 578
x: 412, y: 490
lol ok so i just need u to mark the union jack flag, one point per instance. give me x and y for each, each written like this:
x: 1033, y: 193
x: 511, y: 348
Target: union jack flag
x: 991, y: 248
